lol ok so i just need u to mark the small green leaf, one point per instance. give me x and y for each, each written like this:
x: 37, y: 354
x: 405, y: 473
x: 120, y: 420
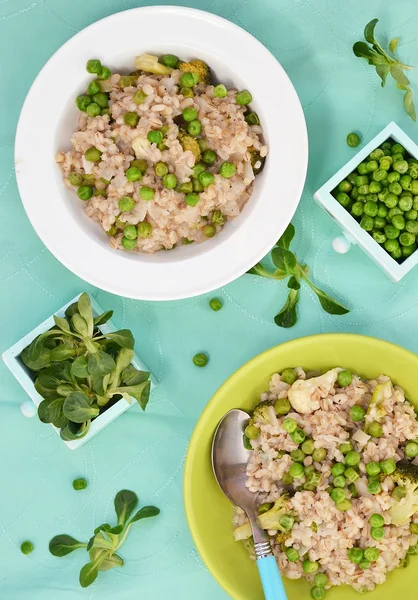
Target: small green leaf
x: 287, y: 237
x: 393, y: 44
x: 399, y: 75
x: 78, y: 409
x: 89, y: 573
x: 293, y: 283
x: 132, y: 376
x: 123, y: 337
x: 84, y: 308
x: 287, y: 317
x: 64, y: 389
x: 50, y: 378
x: 61, y: 421
x: 383, y: 72
x: 140, y: 392
x: 90, y: 543
x: 37, y: 356
x: 63, y: 544
x: 103, y: 318
x: 116, y: 530
x: 101, y: 541
x: 79, y: 367
x: 111, y: 562
x: 79, y: 324
x: 62, y: 324
x: 259, y: 270
x: 100, y: 363
x: 329, y: 305
x: 246, y: 442
x: 62, y: 353
x: 369, y: 31
x: 71, y: 310
x: 103, y: 527
x: 74, y: 431
x: 284, y: 260
x: 50, y: 410
x: 145, y: 513
x: 125, y: 503
x: 408, y: 102
x: 362, y: 50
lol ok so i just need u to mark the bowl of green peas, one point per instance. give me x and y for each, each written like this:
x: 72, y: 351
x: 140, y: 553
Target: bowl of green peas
x: 374, y: 198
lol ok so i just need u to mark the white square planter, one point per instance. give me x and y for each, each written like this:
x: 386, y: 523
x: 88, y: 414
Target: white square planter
x: 353, y: 233
x: 12, y: 359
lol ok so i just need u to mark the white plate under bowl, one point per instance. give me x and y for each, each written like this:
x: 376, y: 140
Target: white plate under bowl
x: 45, y: 127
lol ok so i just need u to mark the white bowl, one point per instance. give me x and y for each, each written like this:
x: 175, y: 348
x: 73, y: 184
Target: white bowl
x: 49, y: 116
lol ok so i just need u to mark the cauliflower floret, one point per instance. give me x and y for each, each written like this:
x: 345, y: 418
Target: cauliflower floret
x: 304, y: 395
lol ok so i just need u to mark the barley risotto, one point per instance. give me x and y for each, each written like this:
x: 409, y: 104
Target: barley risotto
x: 163, y: 156
x: 335, y: 466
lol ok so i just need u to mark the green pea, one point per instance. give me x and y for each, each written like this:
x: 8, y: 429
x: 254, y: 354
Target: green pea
x: 338, y: 495
x: 377, y: 533
x: 105, y: 74
x: 406, y: 239
x: 379, y: 237
x: 191, y: 199
x: 128, y: 244
x: 321, y: 580
x: 382, y: 211
x: 203, y: 144
x: 227, y: 170
x: 318, y: 593
x: 399, y: 222
x: 373, y: 165
x: 361, y: 180
x: 386, y: 146
x: 365, y: 564
x: 170, y: 181
x: 391, y: 200
x: 94, y: 88
x: 79, y: 484
x: 216, y: 305
x: 206, y: 178
x: 198, y: 169
x: 252, y: 118
x: 319, y: 454
x: 391, y: 245
x: 356, y: 555
x: 352, y: 458
x: 388, y: 466
x: 310, y: 566
x: 398, y: 148
x: 408, y: 250
x: 391, y: 232
x: 372, y: 198
x: 357, y: 209
x: 345, y: 448
x: 209, y: 157
x: 126, y: 203
x: 133, y: 174
x: 146, y: 193
x: 92, y: 154
x: 362, y: 169
x: 401, y: 166
x: 292, y: 554
x: 131, y: 119
x: 282, y: 406
x: 405, y: 203
x: 187, y: 92
x: 141, y: 163
x: 186, y: 187
x: 373, y: 469
x: 308, y: 446
x: 354, y: 193
x: 379, y: 223
x: 367, y: 223
x: 139, y: 97
x: 251, y: 431
x: 371, y: 554
x: 412, y: 227
x: 101, y: 99
x: 375, y: 187
x: 85, y: 192
x: 209, y: 231
x: 353, y: 140
x: 288, y: 376
x: 374, y: 487
x: 155, y: 136
x: 144, y: 229
x: 187, y: 80
x: 170, y: 60
x: 296, y: 470
x: 378, y: 174
x: 75, y: 178
x: 370, y: 209
x: 220, y: 91
x: 286, y: 522
x: 218, y: 218
x: 363, y: 190
x: 395, y: 188
x: 263, y: 508
x: 344, y: 505
x: 411, y: 215
x: 393, y: 177
x: 298, y: 436
x: 339, y: 482
x: 385, y: 165
x: 194, y: 127
x: 189, y: 114
x: 93, y: 110
x: 83, y: 102
x: 112, y: 231
x: 337, y: 469
x: 405, y: 182
x: 289, y: 425
x: 411, y: 449
x: 94, y: 66
x: 287, y: 479
x: 243, y: 98
x: 26, y: 547
x: 130, y: 232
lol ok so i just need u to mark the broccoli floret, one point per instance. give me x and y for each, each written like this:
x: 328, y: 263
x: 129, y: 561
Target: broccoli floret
x: 199, y: 67
x: 377, y: 399
x: 271, y: 518
x: 190, y: 143
x: 257, y: 161
x: 404, y: 562
x: 243, y: 532
x: 249, y: 546
x: 406, y: 475
x: 281, y: 538
x: 261, y: 413
x: 149, y: 63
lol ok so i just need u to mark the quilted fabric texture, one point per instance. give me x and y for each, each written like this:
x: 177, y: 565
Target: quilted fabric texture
x: 312, y: 39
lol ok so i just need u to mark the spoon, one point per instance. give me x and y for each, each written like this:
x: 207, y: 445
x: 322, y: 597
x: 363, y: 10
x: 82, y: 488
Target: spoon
x: 229, y: 462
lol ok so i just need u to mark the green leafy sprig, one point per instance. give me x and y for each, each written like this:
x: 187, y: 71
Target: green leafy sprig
x: 80, y: 371
x: 106, y: 540
x: 288, y: 267
x: 386, y: 64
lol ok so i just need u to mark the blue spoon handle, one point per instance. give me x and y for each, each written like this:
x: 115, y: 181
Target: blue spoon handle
x: 271, y: 579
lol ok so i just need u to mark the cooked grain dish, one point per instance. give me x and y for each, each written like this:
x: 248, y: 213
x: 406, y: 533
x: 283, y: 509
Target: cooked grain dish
x: 162, y: 157
x: 334, y: 464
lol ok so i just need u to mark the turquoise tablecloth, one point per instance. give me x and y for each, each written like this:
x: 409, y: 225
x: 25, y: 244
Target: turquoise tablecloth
x: 312, y: 39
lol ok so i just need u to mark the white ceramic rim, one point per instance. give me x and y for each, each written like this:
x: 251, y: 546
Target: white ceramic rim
x: 188, y: 271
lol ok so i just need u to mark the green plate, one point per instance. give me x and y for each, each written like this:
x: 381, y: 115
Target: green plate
x: 209, y: 513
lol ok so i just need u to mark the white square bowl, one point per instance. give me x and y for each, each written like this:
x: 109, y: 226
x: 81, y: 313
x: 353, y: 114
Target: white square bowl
x: 11, y: 358
x: 351, y: 228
